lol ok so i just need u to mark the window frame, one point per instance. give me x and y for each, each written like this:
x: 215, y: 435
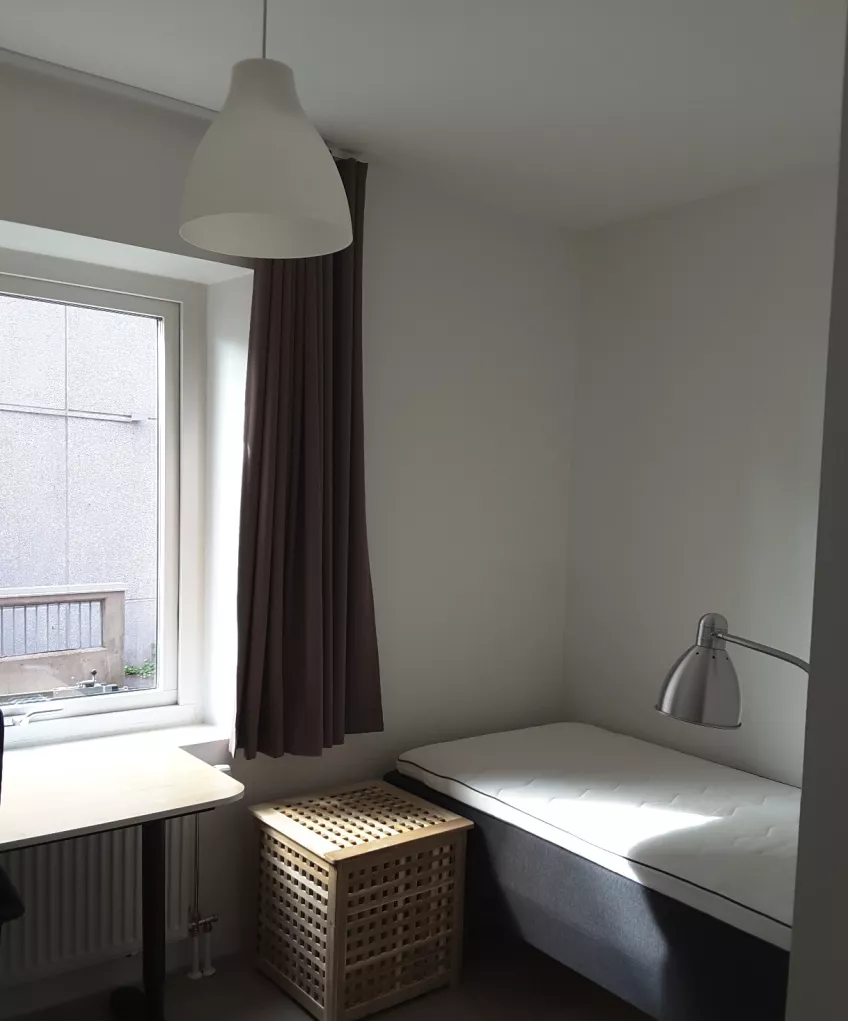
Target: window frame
x: 180, y: 306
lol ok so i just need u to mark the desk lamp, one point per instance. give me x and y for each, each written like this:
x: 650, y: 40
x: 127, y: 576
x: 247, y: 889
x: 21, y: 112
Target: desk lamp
x: 702, y: 686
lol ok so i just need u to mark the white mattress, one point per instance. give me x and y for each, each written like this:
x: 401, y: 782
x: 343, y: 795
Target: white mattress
x: 720, y: 840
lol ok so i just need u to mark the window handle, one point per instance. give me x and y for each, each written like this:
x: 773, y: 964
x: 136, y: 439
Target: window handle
x: 25, y: 718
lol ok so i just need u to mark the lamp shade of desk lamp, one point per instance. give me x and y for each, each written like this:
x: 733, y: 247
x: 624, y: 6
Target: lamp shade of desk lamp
x: 702, y: 687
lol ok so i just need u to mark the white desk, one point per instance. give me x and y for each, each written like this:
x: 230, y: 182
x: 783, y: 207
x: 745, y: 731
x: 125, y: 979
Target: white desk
x: 55, y: 792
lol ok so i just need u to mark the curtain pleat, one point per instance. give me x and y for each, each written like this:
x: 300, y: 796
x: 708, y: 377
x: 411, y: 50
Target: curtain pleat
x: 308, y: 669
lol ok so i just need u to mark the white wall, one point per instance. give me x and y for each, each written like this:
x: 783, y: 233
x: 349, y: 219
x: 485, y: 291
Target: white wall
x: 469, y: 339
x: 703, y: 335
x: 817, y: 971
x: 468, y: 361
x: 89, y: 162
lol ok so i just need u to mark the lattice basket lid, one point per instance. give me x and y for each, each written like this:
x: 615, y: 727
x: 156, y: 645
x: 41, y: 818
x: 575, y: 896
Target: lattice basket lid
x: 349, y: 821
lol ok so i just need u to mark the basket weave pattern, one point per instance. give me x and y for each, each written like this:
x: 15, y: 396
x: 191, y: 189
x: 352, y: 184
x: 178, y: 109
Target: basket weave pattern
x: 293, y: 915
x: 360, y: 898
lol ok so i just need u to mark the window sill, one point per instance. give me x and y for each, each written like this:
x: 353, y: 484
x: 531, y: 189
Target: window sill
x: 178, y: 724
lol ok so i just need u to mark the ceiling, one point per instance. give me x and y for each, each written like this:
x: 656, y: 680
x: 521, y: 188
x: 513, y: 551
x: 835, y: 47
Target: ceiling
x: 581, y: 112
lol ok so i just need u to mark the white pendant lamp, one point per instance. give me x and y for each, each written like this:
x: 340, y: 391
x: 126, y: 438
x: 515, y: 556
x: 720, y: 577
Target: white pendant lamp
x: 263, y: 183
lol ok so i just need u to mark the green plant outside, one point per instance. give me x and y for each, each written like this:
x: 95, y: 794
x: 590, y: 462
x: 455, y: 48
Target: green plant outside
x: 147, y: 669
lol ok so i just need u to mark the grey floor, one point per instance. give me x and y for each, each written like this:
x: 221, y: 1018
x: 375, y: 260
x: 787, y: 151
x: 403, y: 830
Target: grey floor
x: 519, y: 985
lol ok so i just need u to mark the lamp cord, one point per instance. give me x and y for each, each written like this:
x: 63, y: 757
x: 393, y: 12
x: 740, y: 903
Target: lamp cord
x: 264, y: 28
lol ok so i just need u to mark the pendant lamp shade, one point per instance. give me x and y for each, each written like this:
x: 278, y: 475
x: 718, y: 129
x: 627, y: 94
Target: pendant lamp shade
x: 263, y: 183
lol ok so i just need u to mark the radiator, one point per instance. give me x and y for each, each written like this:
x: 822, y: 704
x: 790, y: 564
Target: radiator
x: 83, y: 900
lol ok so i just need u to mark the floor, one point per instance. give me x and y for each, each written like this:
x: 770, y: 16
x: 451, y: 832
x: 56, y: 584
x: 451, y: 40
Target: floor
x: 522, y: 985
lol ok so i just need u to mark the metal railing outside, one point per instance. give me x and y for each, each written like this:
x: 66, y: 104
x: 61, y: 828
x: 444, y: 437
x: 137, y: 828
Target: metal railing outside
x: 54, y: 637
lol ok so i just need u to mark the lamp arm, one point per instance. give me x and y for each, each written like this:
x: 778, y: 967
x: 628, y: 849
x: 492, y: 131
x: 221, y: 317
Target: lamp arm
x: 766, y: 649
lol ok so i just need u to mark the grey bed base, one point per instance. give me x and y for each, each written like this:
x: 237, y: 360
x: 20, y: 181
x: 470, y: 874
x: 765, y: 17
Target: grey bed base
x: 667, y: 959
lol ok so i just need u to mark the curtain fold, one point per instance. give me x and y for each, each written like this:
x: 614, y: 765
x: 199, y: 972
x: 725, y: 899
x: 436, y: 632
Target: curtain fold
x: 308, y: 667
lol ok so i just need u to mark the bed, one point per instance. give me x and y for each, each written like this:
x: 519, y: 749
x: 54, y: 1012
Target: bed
x: 663, y: 877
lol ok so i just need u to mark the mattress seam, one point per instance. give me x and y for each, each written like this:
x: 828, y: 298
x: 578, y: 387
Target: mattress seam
x: 633, y: 861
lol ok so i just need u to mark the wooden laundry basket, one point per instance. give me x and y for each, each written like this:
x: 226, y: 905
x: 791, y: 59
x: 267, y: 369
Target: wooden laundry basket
x: 360, y: 898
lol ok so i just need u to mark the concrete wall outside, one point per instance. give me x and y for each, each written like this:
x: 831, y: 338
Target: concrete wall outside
x: 78, y: 452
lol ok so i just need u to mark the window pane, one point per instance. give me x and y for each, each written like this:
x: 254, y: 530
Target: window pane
x: 32, y: 352
x: 79, y: 500
x: 112, y: 362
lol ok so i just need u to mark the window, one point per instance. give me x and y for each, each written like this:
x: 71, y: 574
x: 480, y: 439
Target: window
x: 89, y: 500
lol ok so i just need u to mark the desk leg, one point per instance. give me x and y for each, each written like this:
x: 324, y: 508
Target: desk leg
x: 153, y: 916
x: 149, y: 1005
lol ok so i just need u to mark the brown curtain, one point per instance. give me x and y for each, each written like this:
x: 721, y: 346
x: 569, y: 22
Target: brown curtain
x: 308, y: 670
